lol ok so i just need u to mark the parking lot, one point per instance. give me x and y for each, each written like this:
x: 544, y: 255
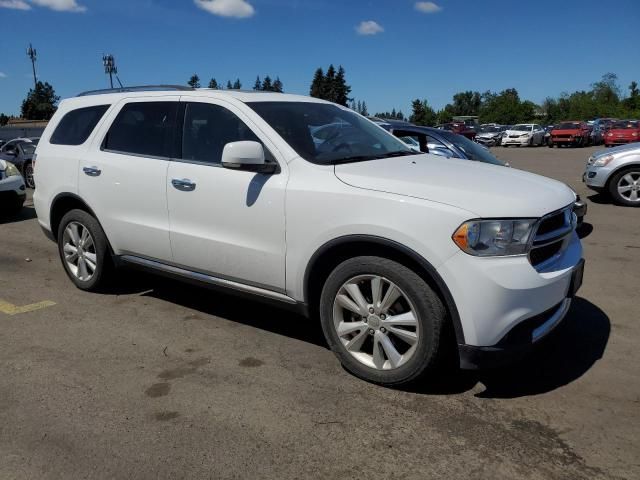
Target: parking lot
x: 156, y: 379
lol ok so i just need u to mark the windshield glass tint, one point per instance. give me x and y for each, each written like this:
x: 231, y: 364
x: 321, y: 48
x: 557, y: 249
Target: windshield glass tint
x: 325, y: 133
x: 28, y: 148
x: 521, y: 128
x: 489, y: 130
x: 568, y: 126
x: 624, y: 125
x: 471, y: 149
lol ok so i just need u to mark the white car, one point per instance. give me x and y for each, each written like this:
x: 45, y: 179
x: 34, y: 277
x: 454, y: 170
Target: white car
x: 524, y: 134
x: 390, y: 248
x: 12, y: 188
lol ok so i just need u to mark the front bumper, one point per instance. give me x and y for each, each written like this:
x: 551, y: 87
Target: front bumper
x: 596, y: 177
x: 12, y: 191
x: 515, y: 141
x: 500, y: 295
x: 620, y: 140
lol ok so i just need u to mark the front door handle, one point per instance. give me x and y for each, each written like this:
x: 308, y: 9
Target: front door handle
x: 184, y: 184
x: 92, y: 171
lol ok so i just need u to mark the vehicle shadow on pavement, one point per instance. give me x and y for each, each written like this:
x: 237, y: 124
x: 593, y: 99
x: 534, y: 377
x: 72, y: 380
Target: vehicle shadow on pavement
x: 27, y: 213
x: 225, y: 305
x: 567, y: 354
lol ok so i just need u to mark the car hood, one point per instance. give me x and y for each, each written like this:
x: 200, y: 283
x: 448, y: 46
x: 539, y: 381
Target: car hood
x: 515, y: 132
x: 482, y: 189
x: 489, y: 134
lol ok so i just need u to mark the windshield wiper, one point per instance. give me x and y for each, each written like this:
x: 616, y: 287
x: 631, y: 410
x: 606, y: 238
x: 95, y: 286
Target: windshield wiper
x: 364, y: 158
x: 399, y: 153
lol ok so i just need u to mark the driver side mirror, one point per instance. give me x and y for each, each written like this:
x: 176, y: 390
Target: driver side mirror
x: 246, y: 155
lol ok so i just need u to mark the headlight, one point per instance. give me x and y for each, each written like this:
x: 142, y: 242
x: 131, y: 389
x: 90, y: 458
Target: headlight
x: 11, y: 170
x: 489, y: 238
x: 634, y: 134
x: 602, y: 161
x: 611, y: 134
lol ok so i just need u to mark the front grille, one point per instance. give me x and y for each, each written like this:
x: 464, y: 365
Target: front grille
x: 552, y: 236
x: 561, y: 136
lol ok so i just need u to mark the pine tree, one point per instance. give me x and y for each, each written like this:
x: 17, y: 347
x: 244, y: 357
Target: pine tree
x: 359, y: 107
x: 364, y: 111
x: 329, y: 87
x: 277, y: 85
x: 258, y: 84
x: 341, y: 89
x: 237, y: 85
x: 267, y: 86
x: 213, y: 83
x: 317, y: 84
x: 40, y: 103
x: 400, y: 115
x: 229, y: 86
x: 194, y: 81
x: 393, y: 113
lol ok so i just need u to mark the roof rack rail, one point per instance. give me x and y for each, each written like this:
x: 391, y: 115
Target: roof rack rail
x: 141, y: 88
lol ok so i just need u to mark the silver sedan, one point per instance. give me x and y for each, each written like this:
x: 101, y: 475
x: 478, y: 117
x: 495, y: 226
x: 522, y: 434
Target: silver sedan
x: 616, y: 172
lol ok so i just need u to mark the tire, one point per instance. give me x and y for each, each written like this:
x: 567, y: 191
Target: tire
x: 27, y: 172
x: 530, y: 142
x: 550, y: 144
x: 93, y: 250
x: 11, y: 208
x: 622, y: 188
x: 403, y: 361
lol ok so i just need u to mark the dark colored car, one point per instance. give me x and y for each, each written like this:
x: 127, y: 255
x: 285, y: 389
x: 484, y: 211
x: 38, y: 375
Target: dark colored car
x: 20, y: 153
x: 570, y: 133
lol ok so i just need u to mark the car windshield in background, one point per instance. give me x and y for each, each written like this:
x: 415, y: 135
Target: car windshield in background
x: 521, y: 128
x: 624, y: 125
x: 568, y: 126
x: 471, y: 149
x: 489, y: 129
x: 324, y: 133
x: 28, y: 148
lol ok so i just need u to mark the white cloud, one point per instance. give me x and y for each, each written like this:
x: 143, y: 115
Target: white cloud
x: 58, y: 5
x: 227, y: 8
x: 428, y: 7
x: 15, y: 4
x: 369, y: 27
x: 3, y: 75
x: 61, y: 5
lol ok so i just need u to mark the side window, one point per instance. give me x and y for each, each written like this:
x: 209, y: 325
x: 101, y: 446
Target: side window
x: 143, y: 128
x: 207, y: 129
x: 76, y: 126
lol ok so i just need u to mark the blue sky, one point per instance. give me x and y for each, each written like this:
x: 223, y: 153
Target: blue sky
x: 393, y: 50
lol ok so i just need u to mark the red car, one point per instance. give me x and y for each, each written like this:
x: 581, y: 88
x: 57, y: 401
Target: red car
x: 625, y: 131
x: 575, y: 133
x: 460, y: 128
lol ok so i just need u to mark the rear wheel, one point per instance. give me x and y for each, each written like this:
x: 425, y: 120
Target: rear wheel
x: 625, y: 187
x: 28, y: 175
x: 84, y: 251
x: 381, y: 320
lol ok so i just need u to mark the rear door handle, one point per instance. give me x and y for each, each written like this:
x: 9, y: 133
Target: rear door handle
x: 184, y: 184
x: 92, y: 171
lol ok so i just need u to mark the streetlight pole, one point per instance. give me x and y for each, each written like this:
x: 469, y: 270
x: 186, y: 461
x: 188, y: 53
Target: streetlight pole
x: 109, y: 63
x: 31, y: 53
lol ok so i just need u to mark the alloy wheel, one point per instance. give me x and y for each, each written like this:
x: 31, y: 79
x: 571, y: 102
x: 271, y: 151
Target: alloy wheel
x: 376, y: 322
x: 28, y: 176
x: 629, y: 186
x: 79, y: 251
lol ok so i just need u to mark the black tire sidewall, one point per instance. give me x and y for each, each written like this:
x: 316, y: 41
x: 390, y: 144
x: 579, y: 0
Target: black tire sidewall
x: 430, y: 311
x: 103, y: 255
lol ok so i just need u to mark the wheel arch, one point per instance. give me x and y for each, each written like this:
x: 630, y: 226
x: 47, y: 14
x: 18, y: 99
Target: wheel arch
x: 63, y: 203
x: 619, y: 168
x: 332, y: 253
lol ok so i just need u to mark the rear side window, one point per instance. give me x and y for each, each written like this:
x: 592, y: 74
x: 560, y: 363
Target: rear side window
x: 76, y: 126
x: 143, y: 128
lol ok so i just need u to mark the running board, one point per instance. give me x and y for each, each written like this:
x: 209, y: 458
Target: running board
x: 207, y: 279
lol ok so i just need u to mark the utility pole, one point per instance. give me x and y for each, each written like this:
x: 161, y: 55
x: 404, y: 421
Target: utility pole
x: 31, y: 53
x: 109, y: 63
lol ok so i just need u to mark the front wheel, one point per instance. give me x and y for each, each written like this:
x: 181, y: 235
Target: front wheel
x: 84, y: 251
x: 625, y: 187
x: 28, y: 175
x: 381, y: 320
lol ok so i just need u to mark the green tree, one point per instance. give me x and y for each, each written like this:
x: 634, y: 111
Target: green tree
x: 194, y: 81
x: 41, y: 102
x: 267, y: 85
x: 400, y: 115
x: 237, y: 85
x: 278, y: 86
x: 329, y: 85
x: 632, y: 102
x: 3, y: 119
x: 317, y: 84
x: 364, y: 110
x: 229, y: 85
x: 341, y: 89
x: 213, y: 83
x: 258, y: 84
x: 422, y: 113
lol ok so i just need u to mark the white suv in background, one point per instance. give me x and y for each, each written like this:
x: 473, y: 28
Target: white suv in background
x: 388, y: 247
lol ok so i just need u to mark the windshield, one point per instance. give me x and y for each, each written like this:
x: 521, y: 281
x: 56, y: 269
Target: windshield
x: 521, y: 128
x: 28, y: 148
x: 489, y: 129
x: 624, y: 125
x: 472, y: 150
x: 568, y: 126
x: 325, y: 133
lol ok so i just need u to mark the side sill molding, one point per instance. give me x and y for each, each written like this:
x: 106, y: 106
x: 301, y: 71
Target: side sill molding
x: 208, y: 279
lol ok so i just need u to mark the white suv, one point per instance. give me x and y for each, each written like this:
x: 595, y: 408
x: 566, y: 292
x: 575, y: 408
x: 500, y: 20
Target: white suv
x: 390, y: 248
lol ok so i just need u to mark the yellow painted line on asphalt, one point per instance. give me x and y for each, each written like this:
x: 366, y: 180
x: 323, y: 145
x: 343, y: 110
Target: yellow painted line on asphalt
x: 11, y: 309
